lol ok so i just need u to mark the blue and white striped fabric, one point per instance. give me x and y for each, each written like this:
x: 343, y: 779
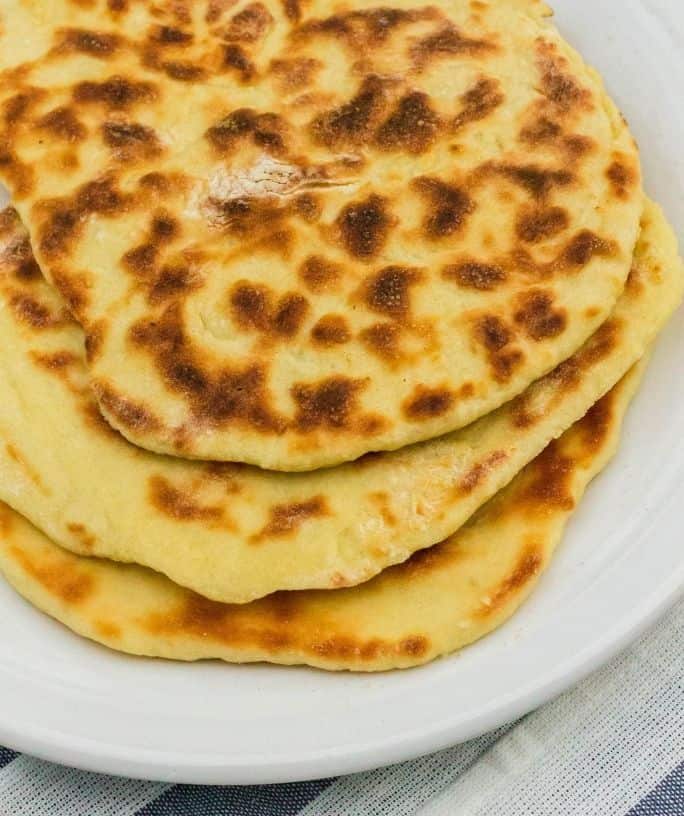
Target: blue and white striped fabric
x: 612, y: 745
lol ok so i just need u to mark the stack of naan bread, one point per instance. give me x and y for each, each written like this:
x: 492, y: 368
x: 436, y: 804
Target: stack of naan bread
x: 316, y: 319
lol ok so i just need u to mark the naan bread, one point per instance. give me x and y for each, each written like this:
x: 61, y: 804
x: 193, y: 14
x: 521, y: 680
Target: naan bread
x: 295, y: 233
x: 438, y: 601
x: 235, y: 533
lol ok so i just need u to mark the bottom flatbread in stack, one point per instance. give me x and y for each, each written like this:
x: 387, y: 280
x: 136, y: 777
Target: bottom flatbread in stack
x: 439, y: 600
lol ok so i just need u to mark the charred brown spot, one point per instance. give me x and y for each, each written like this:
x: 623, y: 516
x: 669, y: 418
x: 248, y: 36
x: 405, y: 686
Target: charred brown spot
x: 497, y: 338
x: 80, y: 532
x: 183, y: 71
x: 413, y: 126
x: 479, y: 472
x: 538, y: 224
x: 74, y: 290
x: 267, y: 130
x: 235, y: 57
x: 159, y: 182
x: 165, y: 227
x: 18, y: 254
x: 58, y: 576
x: 99, y: 197
x: 595, y: 425
x: 474, y: 275
x: 253, y: 307
x: 56, y: 232
x: 30, y: 311
x: 493, y: 333
x: 330, y: 403
x: 382, y: 501
x: 448, y: 41
x: 331, y: 330
x: 125, y: 411
x: 286, y: 519
x: 255, y: 218
x: 240, y: 395
x: 535, y: 180
x: 17, y: 108
x: 538, y: 317
x: 602, y: 343
x: 28, y: 270
x: 449, y: 206
x: 527, y: 567
x: 585, y: 246
x: 307, y: 207
x: 94, y: 340
x: 414, y: 646
x: 319, y: 274
x: 352, y: 123
x: 295, y: 73
x: 170, y: 35
x: 98, y: 44
x: 541, y: 131
x: 388, y: 291
x: 216, y: 9
x: 231, y: 394
x: 576, y: 145
x: 478, y: 102
x: 28, y: 469
x: 117, y: 93
x: 56, y: 361
x: 292, y: 9
x: 383, y: 340
x: 427, y: 403
x: 131, y: 141
x: 19, y: 176
x: 289, y: 314
x: 548, y: 132
x: 173, y: 281
x: 622, y: 177
x: 179, y: 504
x: 64, y: 124
x: 248, y: 25
x: 141, y: 260
x: 550, y: 480
x: 561, y: 88
x: 364, y: 226
x: 373, y: 25
x: 423, y: 561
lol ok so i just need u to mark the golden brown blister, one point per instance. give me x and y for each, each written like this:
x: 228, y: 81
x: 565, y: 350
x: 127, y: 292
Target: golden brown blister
x: 235, y: 533
x: 438, y: 601
x: 295, y: 234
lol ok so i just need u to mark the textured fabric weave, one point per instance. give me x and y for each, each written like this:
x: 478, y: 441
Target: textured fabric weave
x: 612, y: 746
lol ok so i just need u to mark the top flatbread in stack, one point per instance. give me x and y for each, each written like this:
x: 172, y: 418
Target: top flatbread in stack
x: 294, y: 234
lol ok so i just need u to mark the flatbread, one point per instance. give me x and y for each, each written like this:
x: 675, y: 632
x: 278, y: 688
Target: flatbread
x: 237, y: 533
x: 295, y: 233
x: 438, y: 601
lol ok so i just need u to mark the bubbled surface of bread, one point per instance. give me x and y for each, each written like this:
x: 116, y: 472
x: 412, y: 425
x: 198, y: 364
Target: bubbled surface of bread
x: 295, y: 232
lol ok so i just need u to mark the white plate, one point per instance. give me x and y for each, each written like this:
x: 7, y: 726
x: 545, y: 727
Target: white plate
x: 620, y: 566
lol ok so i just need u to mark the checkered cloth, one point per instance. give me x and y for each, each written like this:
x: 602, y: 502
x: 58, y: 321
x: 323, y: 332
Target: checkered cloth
x: 612, y: 745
